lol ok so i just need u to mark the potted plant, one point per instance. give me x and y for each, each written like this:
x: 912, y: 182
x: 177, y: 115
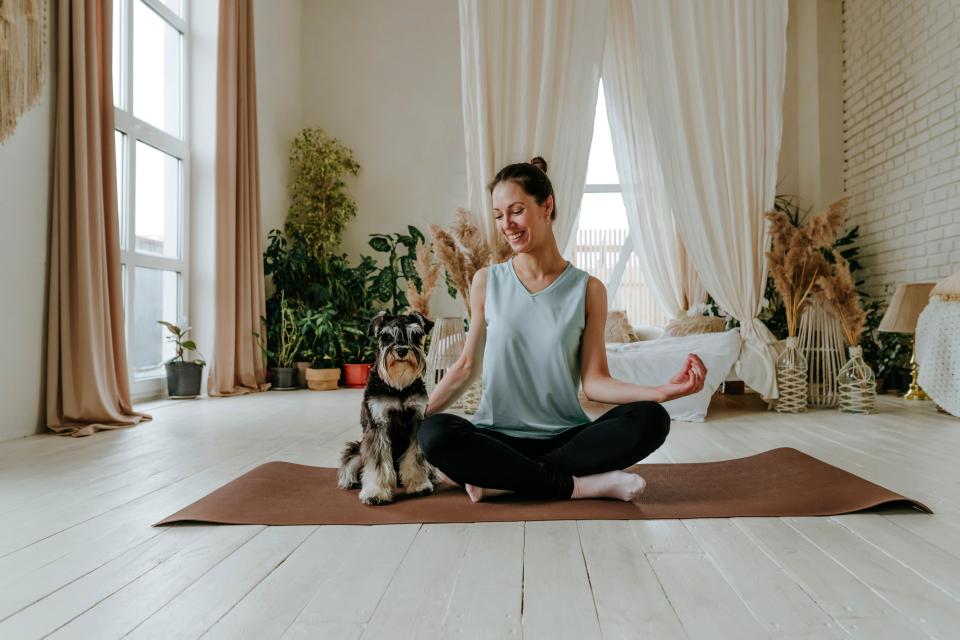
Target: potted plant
x: 324, y: 347
x: 289, y: 341
x: 183, y: 377
x: 360, y: 350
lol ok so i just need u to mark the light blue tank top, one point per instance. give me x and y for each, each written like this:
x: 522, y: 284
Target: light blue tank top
x: 531, y: 361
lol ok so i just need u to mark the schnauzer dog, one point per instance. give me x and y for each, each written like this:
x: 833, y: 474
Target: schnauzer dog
x: 388, y: 454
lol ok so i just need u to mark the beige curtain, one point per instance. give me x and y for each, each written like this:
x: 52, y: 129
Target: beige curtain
x: 87, y: 385
x: 237, y: 365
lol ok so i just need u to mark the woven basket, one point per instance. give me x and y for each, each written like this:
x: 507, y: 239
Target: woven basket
x: 792, y: 379
x: 856, y: 385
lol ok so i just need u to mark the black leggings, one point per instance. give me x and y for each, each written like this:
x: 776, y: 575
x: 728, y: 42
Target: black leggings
x: 543, y: 468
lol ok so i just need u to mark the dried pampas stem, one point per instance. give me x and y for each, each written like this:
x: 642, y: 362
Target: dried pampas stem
x: 840, y: 289
x: 429, y: 272
x: 463, y: 251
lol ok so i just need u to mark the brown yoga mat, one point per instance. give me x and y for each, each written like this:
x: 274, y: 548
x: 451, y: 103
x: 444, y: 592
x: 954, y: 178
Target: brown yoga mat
x: 780, y: 482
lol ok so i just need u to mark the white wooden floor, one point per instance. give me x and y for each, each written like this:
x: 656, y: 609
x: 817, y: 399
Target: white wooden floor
x: 78, y: 558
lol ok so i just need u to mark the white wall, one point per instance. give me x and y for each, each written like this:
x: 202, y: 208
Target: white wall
x: 901, y: 83
x: 25, y: 165
x: 384, y: 78
x: 279, y: 98
x: 811, y: 151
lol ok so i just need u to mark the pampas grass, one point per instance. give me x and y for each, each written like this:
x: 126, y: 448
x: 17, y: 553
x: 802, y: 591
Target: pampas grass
x: 795, y: 259
x: 429, y: 272
x: 840, y: 290
x: 463, y: 251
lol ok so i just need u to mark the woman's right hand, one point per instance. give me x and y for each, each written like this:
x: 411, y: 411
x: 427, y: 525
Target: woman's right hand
x: 690, y: 380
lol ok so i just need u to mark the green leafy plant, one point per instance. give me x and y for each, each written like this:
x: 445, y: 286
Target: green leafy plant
x: 320, y: 206
x: 386, y: 287
x: 887, y: 353
x: 359, y: 345
x: 179, y: 338
x: 323, y: 337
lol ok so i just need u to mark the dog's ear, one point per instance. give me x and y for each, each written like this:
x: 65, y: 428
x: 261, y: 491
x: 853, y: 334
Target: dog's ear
x: 377, y: 322
x: 425, y: 323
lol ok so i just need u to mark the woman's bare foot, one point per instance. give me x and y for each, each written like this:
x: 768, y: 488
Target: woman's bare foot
x: 479, y: 493
x: 619, y: 485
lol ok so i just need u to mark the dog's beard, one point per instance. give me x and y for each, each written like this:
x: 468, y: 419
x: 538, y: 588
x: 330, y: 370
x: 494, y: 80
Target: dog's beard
x: 399, y: 373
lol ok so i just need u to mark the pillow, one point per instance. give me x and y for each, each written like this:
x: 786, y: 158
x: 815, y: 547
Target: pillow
x: 948, y: 289
x: 618, y: 328
x: 690, y: 325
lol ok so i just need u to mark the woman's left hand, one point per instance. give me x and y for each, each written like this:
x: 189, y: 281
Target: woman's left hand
x: 690, y: 380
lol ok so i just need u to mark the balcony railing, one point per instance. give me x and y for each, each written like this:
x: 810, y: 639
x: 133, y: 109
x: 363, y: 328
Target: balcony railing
x: 597, y: 251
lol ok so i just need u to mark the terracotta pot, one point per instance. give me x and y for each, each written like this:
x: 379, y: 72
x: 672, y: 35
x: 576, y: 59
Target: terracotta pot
x: 356, y: 375
x: 322, y: 379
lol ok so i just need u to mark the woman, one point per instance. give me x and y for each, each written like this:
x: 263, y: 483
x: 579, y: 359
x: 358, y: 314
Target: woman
x: 539, y: 324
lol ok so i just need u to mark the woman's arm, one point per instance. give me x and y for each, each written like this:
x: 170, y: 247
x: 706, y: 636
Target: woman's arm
x: 600, y: 386
x: 459, y: 376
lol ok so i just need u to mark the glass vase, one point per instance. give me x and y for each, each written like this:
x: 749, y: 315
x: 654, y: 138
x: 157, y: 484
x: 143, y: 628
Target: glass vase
x: 792, y: 379
x: 856, y: 385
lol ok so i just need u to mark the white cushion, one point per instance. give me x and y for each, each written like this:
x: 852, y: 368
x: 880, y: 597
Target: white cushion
x: 653, y: 362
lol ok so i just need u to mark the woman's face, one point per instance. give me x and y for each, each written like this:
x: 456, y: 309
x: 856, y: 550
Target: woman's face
x: 519, y: 218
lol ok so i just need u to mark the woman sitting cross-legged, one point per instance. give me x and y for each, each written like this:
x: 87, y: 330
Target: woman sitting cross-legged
x: 538, y: 323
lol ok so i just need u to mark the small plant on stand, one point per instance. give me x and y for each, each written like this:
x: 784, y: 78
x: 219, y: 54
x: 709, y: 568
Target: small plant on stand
x: 183, y: 377
x: 324, y: 347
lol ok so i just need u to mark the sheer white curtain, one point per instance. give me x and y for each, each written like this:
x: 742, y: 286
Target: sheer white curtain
x: 655, y: 240
x: 714, y: 74
x: 530, y: 70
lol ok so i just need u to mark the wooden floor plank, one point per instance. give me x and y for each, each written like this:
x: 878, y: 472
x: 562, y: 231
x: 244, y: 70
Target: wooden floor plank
x: 415, y: 603
x: 629, y: 599
x: 776, y: 601
x: 309, y: 573
x: 557, y: 600
x: 487, y: 596
x: 705, y: 604
x: 204, y: 602
x: 122, y: 611
x: 924, y: 605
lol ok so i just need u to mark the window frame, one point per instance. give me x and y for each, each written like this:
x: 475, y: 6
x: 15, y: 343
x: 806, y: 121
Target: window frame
x: 136, y: 130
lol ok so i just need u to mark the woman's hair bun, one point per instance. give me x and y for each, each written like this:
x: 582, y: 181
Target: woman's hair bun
x: 539, y: 163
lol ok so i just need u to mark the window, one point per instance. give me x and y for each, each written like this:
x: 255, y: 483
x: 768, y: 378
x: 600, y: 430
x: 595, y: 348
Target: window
x: 603, y: 246
x: 149, y: 49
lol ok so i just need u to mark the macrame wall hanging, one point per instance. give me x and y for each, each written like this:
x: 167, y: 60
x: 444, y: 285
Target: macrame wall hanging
x: 23, y: 45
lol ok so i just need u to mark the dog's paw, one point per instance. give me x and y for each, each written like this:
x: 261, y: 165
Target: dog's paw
x: 423, y: 489
x: 347, y: 484
x: 374, y: 496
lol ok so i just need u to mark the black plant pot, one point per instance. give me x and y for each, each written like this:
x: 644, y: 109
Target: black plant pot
x: 285, y: 378
x: 183, y: 379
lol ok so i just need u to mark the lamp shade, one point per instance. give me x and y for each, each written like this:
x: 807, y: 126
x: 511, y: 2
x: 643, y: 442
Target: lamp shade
x: 905, y: 307
x: 948, y: 287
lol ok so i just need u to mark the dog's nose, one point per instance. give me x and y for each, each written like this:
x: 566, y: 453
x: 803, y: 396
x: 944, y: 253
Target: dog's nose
x: 402, y: 351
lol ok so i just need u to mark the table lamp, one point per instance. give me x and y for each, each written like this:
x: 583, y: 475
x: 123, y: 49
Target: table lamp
x: 901, y: 317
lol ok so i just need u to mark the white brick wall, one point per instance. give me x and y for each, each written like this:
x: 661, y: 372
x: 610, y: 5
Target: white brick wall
x: 901, y: 128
